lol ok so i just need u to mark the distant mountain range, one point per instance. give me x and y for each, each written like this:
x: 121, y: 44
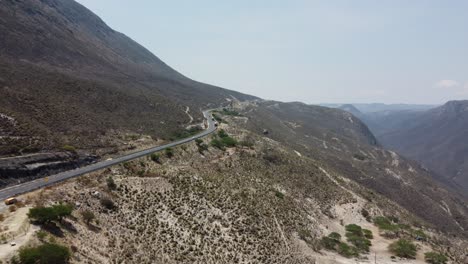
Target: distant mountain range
x: 380, y: 107
x: 436, y: 137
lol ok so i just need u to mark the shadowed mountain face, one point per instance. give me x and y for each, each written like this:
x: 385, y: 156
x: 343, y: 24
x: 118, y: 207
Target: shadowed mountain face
x: 66, y: 77
x: 438, y: 139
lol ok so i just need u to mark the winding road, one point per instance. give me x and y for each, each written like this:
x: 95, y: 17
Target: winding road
x: 53, y: 179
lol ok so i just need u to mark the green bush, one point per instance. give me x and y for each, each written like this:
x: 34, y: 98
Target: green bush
x: 403, y: 248
x: 186, y: 133
x: 358, y: 237
x: 368, y: 234
x: 222, y: 133
x: 229, y: 142
x: 41, y: 235
x: 419, y: 234
x: 169, y: 152
x: 69, y: 148
x: 279, y: 194
x: 385, y: 224
x: 223, y: 140
x: 155, y: 157
x: 335, y: 236
x: 217, y: 144
x: 62, y: 210
x: 435, y: 258
x: 230, y: 112
x: 217, y: 118
x: 347, y: 251
x: 329, y: 243
x: 42, y: 215
x: 48, y: 253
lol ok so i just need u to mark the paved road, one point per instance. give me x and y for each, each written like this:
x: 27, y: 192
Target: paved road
x: 53, y: 179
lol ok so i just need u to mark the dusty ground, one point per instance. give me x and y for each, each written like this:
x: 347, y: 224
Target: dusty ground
x: 15, y: 228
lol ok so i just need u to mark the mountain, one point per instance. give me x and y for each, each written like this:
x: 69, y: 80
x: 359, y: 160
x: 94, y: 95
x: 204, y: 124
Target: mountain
x: 268, y: 187
x: 380, y: 107
x: 291, y: 175
x: 351, y: 109
x: 436, y: 138
x: 66, y: 78
x: 343, y: 142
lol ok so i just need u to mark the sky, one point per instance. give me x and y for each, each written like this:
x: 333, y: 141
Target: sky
x: 354, y: 51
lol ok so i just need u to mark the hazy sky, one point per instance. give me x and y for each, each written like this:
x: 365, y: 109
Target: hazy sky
x: 312, y: 51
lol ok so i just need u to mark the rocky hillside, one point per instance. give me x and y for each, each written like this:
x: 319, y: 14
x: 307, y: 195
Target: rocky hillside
x: 67, y: 78
x: 261, y: 199
x: 342, y: 142
x: 436, y: 138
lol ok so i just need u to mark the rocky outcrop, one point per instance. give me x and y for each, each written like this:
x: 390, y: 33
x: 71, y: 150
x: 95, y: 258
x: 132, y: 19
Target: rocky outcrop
x: 19, y: 169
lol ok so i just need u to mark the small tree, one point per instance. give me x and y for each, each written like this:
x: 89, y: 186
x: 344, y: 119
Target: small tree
x: 88, y: 216
x: 435, y: 258
x: 403, y: 248
x: 42, y: 215
x: 62, y: 210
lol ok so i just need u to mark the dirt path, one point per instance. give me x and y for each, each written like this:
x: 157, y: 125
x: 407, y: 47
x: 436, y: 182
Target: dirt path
x: 18, y: 230
x: 187, y: 111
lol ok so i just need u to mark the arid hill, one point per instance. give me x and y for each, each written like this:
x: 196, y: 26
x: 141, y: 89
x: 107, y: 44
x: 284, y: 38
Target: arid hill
x: 67, y: 78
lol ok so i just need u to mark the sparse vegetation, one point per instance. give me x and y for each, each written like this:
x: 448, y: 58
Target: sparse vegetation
x: 111, y: 183
x: 218, y: 118
x: 87, y: 216
x: 347, y: 251
x: 156, y: 157
x: 230, y: 112
x: 41, y: 235
x: 366, y: 214
x: 358, y: 237
x: 202, y: 147
x: 223, y: 140
x: 435, y: 258
x: 403, y: 248
x: 385, y: 224
x: 355, y: 235
x: 186, y: 133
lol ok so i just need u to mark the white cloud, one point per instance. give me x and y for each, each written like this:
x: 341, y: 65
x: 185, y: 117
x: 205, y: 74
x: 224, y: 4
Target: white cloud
x: 447, y: 84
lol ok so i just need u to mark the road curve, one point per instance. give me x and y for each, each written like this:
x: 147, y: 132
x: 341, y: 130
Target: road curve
x: 53, y: 179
